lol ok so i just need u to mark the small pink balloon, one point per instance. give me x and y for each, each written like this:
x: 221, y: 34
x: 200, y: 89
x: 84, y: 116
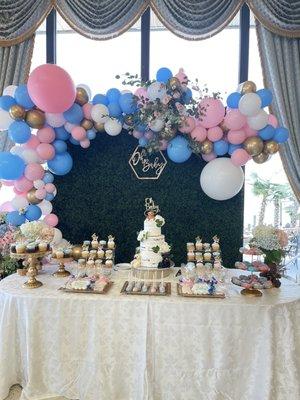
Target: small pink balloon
x: 182, y: 77
x: 163, y: 144
x: 51, y: 220
x: 6, y: 207
x: 199, y: 133
x: 187, y: 125
x: 7, y: 183
x: 236, y: 137
x: 34, y: 171
x: 214, y: 134
x: 86, y: 108
x: 45, y: 151
x: 141, y: 92
x: 23, y: 184
x: 149, y: 135
x: 78, y: 133
x: 40, y: 193
x: 272, y: 120
x: 85, y: 143
x: 239, y: 157
x: 249, y: 131
x: 33, y: 142
x: 50, y: 188
x: 213, y: 112
x: 234, y: 120
x: 209, y: 157
x: 55, y: 120
x: 46, y: 135
x: 51, y: 88
x: 137, y: 134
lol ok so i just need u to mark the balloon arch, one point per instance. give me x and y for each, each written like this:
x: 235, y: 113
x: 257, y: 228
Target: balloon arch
x: 49, y: 112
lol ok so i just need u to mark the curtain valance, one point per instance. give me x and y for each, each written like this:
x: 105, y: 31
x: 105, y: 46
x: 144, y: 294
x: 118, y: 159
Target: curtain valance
x: 105, y: 19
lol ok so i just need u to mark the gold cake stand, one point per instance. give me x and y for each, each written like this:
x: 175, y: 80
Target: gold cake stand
x: 152, y: 273
x: 61, y: 272
x: 32, y: 260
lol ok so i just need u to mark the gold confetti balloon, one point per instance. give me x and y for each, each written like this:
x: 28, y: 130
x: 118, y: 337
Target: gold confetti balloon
x: 271, y: 147
x: 87, y: 124
x: 253, y: 145
x: 129, y: 120
x: 31, y: 197
x: 17, y: 112
x: 173, y: 83
x: 76, y: 251
x: 35, y: 119
x: 99, y: 126
x: 261, y: 158
x: 248, y: 87
x: 206, y: 147
x: 81, y: 96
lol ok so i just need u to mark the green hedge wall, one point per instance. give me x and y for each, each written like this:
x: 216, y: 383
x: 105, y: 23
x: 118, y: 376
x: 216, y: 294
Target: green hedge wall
x: 101, y: 194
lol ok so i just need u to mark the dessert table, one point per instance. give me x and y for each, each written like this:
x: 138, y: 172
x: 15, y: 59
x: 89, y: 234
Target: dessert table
x: 125, y: 347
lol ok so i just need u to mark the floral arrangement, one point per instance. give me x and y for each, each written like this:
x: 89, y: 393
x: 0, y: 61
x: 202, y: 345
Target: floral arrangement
x: 159, y: 220
x: 36, y: 230
x: 7, y: 236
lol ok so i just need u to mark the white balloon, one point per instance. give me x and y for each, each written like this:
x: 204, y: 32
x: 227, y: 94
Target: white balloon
x: 10, y: 90
x: 259, y: 121
x: 220, y: 179
x: 19, y: 202
x: 55, y: 120
x: 87, y: 89
x: 5, y: 120
x: 68, y: 126
x: 45, y: 206
x: 113, y: 127
x: 157, y: 125
x: 17, y: 150
x: 57, y: 237
x: 250, y: 104
x: 100, y: 113
x: 156, y: 90
x: 30, y: 156
x: 38, y: 184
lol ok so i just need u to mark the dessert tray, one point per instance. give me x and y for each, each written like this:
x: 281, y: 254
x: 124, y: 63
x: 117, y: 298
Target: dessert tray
x: 215, y: 295
x: 92, y: 288
x: 148, y: 292
x: 252, y: 282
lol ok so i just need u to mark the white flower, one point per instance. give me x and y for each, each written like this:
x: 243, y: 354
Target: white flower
x: 33, y: 230
x: 143, y: 235
x: 165, y: 248
x: 159, y: 220
x: 265, y: 237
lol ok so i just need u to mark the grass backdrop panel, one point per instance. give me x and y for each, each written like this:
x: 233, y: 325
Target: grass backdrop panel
x: 101, y: 194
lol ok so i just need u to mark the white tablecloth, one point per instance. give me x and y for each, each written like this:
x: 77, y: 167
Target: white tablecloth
x: 118, y: 347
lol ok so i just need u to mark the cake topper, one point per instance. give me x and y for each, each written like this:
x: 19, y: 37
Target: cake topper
x: 151, y: 208
x: 216, y: 239
x: 95, y: 237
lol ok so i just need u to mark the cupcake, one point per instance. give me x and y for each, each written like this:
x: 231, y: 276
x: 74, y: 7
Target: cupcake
x: 108, y: 263
x: 42, y: 246
x: 67, y: 253
x: 31, y: 248
x: 102, y: 243
x: 85, y: 253
x: 100, y: 253
x: 207, y: 256
x: 108, y: 254
x: 59, y: 254
x: 87, y: 243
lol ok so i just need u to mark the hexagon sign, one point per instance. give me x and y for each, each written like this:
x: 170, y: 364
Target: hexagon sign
x: 145, y: 165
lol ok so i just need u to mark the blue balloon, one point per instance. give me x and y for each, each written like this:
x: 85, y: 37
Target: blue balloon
x: 90, y: 134
x: 114, y: 110
x: 267, y: 132
x: 266, y: 97
x: 48, y: 177
x: 187, y: 96
x: 33, y: 212
x: 49, y: 196
x: 60, y: 146
x: 19, y: 132
x: 221, y: 147
x: 22, y: 97
x: 11, y: 166
x: 143, y: 141
x: 233, y: 100
x: 178, y: 149
x: 113, y: 95
x: 100, y: 99
x: 6, y: 102
x: 74, y: 141
x: 141, y: 128
x: 16, y: 219
x: 127, y: 103
x: 61, y: 133
x: 74, y: 114
x: 61, y: 164
x: 163, y: 75
x: 281, y: 135
x: 233, y: 147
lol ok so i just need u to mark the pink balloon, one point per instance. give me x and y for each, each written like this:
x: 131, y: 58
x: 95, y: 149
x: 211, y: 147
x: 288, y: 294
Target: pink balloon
x: 163, y: 144
x: 23, y: 194
x: 51, y: 88
x: 7, y: 183
x: 40, y: 193
x: 141, y: 92
x: 51, y: 220
x: 69, y: 126
x: 199, y: 133
x: 6, y: 207
x: 236, y: 137
x: 46, y: 135
x: 86, y: 108
x: 78, y: 133
x: 34, y: 171
x: 234, y: 120
x: 85, y: 143
x: 214, y: 134
x: 33, y: 142
x: 55, y: 120
x: 45, y: 151
x: 272, y: 120
x: 239, y: 157
x: 249, y: 131
x: 187, y: 125
x: 181, y: 76
x: 50, y: 188
x: 209, y: 157
x: 137, y: 134
x: 213, y: 112
x: 149, y: 135
x: 23, y: 184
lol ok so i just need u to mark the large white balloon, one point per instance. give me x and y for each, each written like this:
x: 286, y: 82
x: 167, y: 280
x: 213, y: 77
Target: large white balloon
x: 100, y: 113
x: 221, y: 180
x: 156, y: 90
x: 17, y: 150
x: 157, y: 125
x: 112, y: 127
x: 5, y: 120
x: 259, y: 121
x: 19, y: 202
x: 55, y: 120
x: 250, y: 104
x: 45, y: 206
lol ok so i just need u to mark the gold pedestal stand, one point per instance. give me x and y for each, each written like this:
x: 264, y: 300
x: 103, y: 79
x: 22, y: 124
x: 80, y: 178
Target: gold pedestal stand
x: 251, y: 292
x: 61, y: 272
